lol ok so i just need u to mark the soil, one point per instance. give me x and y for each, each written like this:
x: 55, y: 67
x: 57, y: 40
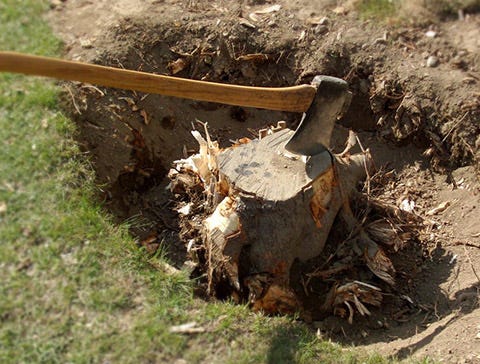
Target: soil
x: 421, y: 124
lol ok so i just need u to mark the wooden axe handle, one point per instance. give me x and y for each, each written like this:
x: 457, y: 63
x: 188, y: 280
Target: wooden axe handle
x: 295, y: 98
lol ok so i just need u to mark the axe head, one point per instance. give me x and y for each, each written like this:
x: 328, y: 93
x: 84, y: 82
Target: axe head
x: 315, y: 129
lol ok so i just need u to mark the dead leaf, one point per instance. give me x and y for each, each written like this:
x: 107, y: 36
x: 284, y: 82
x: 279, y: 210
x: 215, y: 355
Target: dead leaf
x: 177, y: 66
x: 3, y: 207
x: 276, y: 299
x: 355, y: 292
x: 380, y: 264
x: 145, y: 117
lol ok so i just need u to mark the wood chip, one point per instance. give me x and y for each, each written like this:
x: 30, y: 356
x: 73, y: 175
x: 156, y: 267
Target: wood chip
x: 177, y: 66
x: 440, y: 208
x: 187, y: 328
x: 340, y: 10
x: 246, y: 23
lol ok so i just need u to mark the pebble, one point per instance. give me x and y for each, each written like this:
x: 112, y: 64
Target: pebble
x: 432, y: 61
x: 431, y: 34
x: 86, y: 43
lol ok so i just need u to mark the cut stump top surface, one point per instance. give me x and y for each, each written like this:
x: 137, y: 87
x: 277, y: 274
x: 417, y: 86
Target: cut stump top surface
x: 265, y: 169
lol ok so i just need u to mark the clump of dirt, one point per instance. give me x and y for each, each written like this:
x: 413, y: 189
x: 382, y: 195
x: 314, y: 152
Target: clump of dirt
x: 415, y: 104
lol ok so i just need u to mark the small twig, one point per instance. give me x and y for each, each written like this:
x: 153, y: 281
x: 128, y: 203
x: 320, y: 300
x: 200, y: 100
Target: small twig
x: 350, y: 74
x: 94, y: 88
x: 467, y: 244
x: 77, y: 109
x: 205, y: 129
x: 454, y: 126
x: 468, y: 146
x: 304, y: 286
x: 279, y: 57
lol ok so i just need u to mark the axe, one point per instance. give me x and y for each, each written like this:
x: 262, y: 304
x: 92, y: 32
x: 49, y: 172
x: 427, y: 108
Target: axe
x: 322, y: 102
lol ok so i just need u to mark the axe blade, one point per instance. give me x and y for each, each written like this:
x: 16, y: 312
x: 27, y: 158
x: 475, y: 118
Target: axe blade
x: 315, y: 129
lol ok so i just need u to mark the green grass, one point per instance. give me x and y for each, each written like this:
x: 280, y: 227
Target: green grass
x: 377, y: 9
x: 413, y: 11
x: 74, y: 286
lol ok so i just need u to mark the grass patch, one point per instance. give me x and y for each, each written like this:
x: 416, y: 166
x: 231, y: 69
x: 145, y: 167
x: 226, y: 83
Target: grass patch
x: 413, y: 11
x: 377, y: 9
x: 75, y: 287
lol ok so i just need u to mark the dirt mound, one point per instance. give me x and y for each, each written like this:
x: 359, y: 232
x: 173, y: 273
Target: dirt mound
x: 417, y: 120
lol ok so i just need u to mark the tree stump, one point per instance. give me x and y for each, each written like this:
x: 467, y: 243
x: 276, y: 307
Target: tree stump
x: 278, y: 207
x: 250, y: 210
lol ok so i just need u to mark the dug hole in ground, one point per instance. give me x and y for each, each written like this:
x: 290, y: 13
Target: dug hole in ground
x: 400, y: 243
